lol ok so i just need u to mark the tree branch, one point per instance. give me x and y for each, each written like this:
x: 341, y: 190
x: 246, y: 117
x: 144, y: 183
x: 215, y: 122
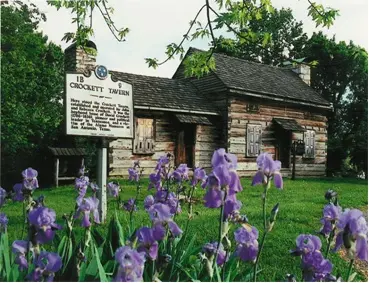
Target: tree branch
x: 184, y: 37
x: 312, y: 5
x: 107, y: 13
x: 108, y: 24
x: 209, y: 22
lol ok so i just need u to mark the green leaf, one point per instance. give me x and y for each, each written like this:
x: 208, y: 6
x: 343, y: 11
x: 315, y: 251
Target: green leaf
x: 119, y: 229
x: 266, y: 39
x: 5, y: 247
x: 102, y: 274
x: 217, y: 273
x: 61, y: 246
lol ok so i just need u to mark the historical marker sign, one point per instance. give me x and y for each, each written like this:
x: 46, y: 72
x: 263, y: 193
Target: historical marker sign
x: 98, y: 106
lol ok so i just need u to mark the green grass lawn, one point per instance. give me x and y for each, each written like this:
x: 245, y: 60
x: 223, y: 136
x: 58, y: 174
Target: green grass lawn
x: 301, y: 204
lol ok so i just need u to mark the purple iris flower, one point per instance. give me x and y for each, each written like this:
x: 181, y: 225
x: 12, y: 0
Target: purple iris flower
x: 314, y: 267
x: 247, y: 244
x: 199, y: 175
x: 131, y: 265
x: 162, y: 217
x: 223, y: 178
x: 331, y: 215
x: 46, y: 264
x: 147, y: 242
x: 268, y: 168
x: 113, y: 189
x: 210, y: 249
x: 306, y: 243
x: 3, y: 222
x: 2, y: 196
x: 18, y: 194
x: 133, y: 174
x: 170, y: 199
x: 19, y: 248
x: 148, y: 202
x: 231, y: 206
x: 43, y: 219
x: 81, y: 182
x: 221, y: 157
x: 30, y: 179
x: 130, y: 205
x: 213, y: 198
x: 353, y: 234
x: 155, y: 180
x: 181, y: 173
x: 162, y: 161
x: 86, y: 206
x: 94, y: 188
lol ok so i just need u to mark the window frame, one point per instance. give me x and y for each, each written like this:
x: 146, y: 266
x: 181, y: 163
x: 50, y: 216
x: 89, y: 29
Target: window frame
x: 135, y: 137
x: 259, y: 128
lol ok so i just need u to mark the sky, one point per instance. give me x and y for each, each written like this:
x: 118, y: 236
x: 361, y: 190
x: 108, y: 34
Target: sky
x: 154, y: 24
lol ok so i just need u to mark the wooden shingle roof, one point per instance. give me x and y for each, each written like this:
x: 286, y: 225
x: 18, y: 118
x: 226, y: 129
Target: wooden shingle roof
x: 166, y: 93
x: 246, y: 77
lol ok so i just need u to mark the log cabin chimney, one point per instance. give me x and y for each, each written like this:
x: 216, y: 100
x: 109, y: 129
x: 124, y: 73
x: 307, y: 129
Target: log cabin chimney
x: 303, y: 71
x: 81, y: 59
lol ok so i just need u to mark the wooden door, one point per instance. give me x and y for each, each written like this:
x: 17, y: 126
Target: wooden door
x: 185, y: 145
x: 284, y: 148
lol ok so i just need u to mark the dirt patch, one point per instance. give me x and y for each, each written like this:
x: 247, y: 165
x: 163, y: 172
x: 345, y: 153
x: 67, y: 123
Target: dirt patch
x: 360, y: 265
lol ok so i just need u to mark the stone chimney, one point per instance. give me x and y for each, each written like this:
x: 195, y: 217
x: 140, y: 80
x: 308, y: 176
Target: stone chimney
x: 81, y: 59
x: 303, y: 71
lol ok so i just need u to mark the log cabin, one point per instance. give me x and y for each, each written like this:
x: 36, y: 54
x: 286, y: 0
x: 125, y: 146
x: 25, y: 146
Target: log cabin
x: 245, y: 107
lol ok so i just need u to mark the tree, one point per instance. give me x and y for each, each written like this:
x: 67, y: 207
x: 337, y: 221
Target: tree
x: 31, y: 83
x: 341, y: 78
x: 357, y: 112
x: 229, y: 15
x: 285, y: 41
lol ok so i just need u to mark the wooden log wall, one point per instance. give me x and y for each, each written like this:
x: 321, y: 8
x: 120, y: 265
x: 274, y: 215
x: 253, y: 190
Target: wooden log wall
x: 207, y: 141
x: 121, y: 155
x: 238, y: 118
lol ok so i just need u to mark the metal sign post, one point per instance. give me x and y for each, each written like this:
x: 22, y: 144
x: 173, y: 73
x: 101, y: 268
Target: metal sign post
x: 97, y: 105
x: 102, y: 159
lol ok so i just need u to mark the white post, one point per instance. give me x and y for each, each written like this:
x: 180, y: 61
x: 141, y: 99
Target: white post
x: 102, y: 159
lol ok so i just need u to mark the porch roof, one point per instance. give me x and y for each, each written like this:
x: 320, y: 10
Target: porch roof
x: 63, y: 151
x: 192, y: 119
x: 289, y: 124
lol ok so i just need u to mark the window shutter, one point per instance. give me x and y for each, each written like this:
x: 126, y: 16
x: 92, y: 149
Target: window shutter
x: 312, y: 140
x: 248, y: 138
x: 144, y: 136
x: 309, y: 139
x: 253, y: 140
x: 257, y: 140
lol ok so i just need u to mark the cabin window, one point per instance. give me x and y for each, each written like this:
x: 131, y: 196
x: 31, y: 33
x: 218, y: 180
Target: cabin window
x: 309, y: 139
x: 144, y: 136
x: 253, y: 140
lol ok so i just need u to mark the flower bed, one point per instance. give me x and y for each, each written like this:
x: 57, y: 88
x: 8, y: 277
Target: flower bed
x: 160, y: 251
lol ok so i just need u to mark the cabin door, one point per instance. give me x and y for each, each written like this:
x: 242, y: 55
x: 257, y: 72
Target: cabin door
x: 283, y: 149
x: 185, y: 147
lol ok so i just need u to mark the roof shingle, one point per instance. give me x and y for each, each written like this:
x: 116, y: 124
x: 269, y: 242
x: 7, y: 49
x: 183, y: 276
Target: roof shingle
x: 249, y: 76
x: 165, y: 93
